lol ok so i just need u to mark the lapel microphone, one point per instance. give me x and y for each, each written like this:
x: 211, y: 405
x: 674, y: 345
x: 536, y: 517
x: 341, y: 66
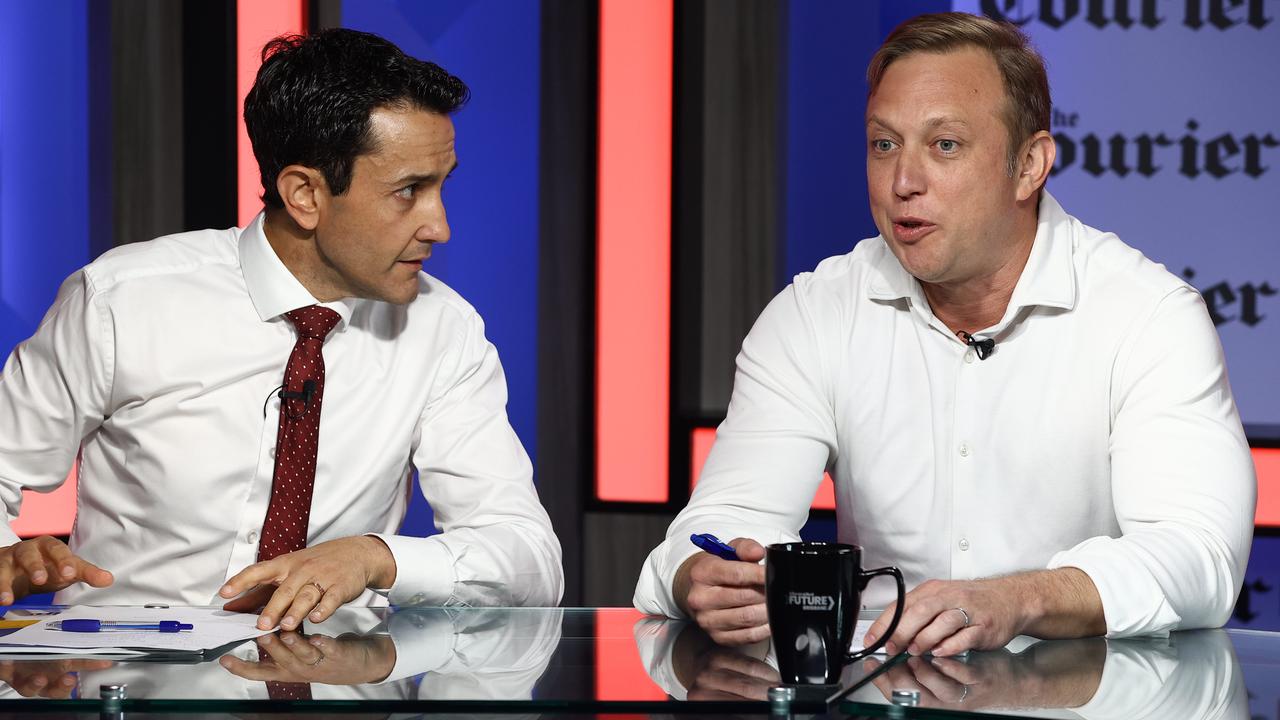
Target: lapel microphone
x: 308, y: 389
x: 983, y: 346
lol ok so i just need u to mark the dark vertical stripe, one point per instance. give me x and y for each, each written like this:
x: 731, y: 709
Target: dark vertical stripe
x: 566, y: 276
x: 209, y: 113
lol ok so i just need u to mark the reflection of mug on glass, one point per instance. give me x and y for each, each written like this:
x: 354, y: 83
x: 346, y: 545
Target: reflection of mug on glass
x: 814, y: 593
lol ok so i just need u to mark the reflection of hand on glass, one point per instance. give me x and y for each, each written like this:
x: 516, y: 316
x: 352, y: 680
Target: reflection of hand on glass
x: 712, y: 672
x: 46, y: 678
x: 1061, y: 674
x: 345, y: 660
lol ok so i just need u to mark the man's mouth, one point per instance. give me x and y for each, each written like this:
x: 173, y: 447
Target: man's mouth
x: 910, y: 229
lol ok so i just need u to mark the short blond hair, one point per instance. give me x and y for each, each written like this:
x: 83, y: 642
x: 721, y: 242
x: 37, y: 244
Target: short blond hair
x: 1026, y: 83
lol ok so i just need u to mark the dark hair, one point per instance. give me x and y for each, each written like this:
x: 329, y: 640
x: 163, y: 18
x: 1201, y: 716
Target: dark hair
x: 311, y: 101
x: 1026, y: 83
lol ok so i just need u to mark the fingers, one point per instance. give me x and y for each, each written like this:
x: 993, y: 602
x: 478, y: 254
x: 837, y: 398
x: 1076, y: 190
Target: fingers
x: 944, y: 625
x: 969, y: 638
x: 942, y: 687
x: 252, y: 601
x: 253, y: 670
x: 29, y: 557
x: 741, y: 636
x: 44, y: 563
x: 957, y: 671
x: 879, y: 626
x: 713, y: 571
x: 748, y: 550
x: 293, y: 600
x: 267, y: 572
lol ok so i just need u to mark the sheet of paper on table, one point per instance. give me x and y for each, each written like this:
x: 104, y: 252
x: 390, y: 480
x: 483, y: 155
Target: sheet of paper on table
x: 213, y: 628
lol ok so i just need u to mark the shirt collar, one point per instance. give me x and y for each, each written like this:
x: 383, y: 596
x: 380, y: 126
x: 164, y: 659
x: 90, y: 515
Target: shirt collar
x: 273, y: 289
x: 1048, y: 278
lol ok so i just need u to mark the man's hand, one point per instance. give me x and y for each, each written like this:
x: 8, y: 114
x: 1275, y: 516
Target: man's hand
x: 46, y: 678
x: 725, y: 597
x: 710, y: 672
x: 44, y: 564
x: 1046, y: 604
x: 344, y: 660
x: 1062, y: 674
x: 313, y: 582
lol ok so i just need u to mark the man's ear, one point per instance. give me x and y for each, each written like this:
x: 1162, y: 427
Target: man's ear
x: 1034, y: 163
x: 302, y: 189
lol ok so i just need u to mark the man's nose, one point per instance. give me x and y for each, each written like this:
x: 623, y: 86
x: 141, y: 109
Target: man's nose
x: 908, y: 175
x: 434, y: 227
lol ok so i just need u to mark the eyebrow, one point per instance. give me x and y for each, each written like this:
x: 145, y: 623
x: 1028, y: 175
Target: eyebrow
x: 417, y: 178
x: 931, y: 123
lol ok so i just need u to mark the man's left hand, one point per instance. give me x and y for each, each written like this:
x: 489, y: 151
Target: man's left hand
x: 934, y: 617
x: 311, y: 583
x: 344, y: 660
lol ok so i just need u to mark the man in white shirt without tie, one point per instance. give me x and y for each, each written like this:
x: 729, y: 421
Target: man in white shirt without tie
x: 162, y: 363
x: 1028, y: 417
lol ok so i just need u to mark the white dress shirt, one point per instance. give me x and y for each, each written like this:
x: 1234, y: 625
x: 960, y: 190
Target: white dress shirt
x: 1101, y: 434
x: 159, y: 363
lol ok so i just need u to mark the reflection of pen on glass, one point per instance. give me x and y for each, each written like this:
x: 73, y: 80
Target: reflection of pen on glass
x: 712, y: 544
x: 92, y: 626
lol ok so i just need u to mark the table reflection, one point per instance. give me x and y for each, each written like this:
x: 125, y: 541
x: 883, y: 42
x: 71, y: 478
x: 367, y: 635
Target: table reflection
x: 1187, y: 675
x: 359, y: 653
x: 688, y: 665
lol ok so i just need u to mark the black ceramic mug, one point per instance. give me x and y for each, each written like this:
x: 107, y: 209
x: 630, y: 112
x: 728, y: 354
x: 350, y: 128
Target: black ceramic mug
x: 814, y: 592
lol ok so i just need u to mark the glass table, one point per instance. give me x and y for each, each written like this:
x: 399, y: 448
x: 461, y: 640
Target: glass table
x: 382, y: 662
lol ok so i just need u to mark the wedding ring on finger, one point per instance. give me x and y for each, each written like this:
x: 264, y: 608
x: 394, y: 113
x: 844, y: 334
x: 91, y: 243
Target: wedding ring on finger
x: 964, y: 614
x: 323, y: 591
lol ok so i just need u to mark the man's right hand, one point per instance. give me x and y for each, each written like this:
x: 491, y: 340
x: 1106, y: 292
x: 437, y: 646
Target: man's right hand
x: 44, y: 564
x: 726, y: 597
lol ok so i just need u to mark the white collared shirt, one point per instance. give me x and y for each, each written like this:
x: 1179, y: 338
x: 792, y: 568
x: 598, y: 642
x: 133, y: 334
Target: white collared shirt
x: 1101, y: 434
x: 159, y: 362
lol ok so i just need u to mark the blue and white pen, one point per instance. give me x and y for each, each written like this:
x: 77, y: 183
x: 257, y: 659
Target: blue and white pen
x: 712, y: 544
x: 84, y: 625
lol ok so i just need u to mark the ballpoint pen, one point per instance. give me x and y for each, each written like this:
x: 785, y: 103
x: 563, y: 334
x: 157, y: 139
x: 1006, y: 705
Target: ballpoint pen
x: 85, y: 625
x: 712, y: 544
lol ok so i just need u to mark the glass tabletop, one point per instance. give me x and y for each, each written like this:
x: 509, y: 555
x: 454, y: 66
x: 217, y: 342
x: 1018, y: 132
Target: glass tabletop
x: 1196, y: 674
x: 381, y: 660
x: 612, y: 660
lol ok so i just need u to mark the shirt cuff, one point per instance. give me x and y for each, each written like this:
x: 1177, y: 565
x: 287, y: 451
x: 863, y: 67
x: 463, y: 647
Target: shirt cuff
x: 1133, y: 603
x: 424, y: 643
x: 424, y: 571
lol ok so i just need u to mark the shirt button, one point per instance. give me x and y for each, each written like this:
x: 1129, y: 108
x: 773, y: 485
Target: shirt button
x: 252, y: 537
x: 964, y: 450
x: 964, y: 544
x: 968, y: 357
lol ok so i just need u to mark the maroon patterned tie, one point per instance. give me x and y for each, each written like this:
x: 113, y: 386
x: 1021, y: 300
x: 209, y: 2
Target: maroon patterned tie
x: 298, y: 440
x: 288, y: 512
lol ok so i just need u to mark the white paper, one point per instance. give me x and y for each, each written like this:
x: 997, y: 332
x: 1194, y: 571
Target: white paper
x: 213, y: 627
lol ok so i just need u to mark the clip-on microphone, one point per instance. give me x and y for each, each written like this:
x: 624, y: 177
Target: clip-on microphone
x: 984, y: 347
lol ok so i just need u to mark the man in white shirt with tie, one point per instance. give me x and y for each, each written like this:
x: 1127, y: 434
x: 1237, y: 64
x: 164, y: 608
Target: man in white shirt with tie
x: 1028, y: 417
x: 188, y: 373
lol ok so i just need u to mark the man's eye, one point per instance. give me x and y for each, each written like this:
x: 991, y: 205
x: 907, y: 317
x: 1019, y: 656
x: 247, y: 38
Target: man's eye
x: 406, y: 193
x: 948, y: 146
x: 882, y: 145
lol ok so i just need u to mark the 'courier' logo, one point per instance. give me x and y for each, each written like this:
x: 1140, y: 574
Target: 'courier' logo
x: 810, y: 601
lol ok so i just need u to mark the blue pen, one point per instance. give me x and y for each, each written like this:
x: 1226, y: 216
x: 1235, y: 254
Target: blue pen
x: 712, y: 544
x: 83, y: 625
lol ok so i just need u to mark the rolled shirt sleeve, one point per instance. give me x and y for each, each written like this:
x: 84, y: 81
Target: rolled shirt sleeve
x: 496, y: 545
x: 1183, y: 483
x: 54, y: 389
x: 769, y: 454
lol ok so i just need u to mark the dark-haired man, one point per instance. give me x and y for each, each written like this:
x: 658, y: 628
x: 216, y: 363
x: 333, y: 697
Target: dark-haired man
x: 1028, y: 417
x: 189, y: 373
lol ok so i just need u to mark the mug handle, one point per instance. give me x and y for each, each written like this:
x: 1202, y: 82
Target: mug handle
x: 897, y: 612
